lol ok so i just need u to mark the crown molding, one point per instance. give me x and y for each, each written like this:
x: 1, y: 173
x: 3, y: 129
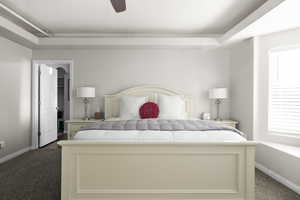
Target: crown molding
x: 133, y: 35
x: 257, y: 23
x: 22, y: 19
x: 128, y: 41
x: 15, y: 33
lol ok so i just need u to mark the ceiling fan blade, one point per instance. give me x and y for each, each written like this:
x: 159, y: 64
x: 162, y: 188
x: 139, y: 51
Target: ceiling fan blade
x: 118, y: 5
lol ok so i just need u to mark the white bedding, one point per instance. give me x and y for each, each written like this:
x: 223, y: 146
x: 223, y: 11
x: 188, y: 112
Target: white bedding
x: 159, y: 136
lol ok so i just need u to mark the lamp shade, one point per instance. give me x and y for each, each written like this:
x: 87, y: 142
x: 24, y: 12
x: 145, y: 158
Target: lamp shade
x: 218, y: 93
x: 85, y: 92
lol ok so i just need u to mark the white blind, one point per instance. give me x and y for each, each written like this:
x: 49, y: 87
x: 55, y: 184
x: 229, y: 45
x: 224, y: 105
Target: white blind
x: 284, y: 91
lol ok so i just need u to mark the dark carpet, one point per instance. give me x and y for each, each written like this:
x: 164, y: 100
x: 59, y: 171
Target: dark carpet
x: 36, y: 176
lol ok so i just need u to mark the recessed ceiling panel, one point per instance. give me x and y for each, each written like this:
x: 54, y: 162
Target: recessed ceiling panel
x: 141, y: 16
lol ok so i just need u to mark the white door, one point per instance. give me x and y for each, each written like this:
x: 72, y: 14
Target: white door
x: 48, y: 105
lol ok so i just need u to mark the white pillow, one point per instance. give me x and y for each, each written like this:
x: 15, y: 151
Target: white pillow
x: 171, y: 107
x: 130, y: 105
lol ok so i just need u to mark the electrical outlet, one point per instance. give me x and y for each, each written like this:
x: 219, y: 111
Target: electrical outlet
x: 2, y: 144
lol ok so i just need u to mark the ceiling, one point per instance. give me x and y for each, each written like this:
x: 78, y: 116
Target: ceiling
x: 170, y: 17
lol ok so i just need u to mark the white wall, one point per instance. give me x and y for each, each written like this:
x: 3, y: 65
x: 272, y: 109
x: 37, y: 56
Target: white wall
x: 15, y: 96
x: 241, y: 85
x: 264, y: 45
x: 249, y: 104
x: 191, y: 71
x: 283, y: 164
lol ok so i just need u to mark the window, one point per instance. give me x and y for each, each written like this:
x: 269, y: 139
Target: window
x: 284, y: 92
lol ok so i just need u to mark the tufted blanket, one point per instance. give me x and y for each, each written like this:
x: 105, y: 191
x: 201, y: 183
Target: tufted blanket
x: 161, y: 125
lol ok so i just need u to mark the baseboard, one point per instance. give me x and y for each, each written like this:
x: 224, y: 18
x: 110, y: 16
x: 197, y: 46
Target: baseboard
x: 15, y: 154
x: 278, y: 178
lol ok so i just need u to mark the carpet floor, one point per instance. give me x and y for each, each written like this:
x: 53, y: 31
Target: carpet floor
x: 35, y: 175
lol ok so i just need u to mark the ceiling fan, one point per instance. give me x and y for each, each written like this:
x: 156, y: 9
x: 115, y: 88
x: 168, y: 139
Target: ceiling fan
x: 118, y: 5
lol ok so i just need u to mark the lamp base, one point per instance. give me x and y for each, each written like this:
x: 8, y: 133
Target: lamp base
x: 218, y: 102
x: 218, y: 119
x: 86, y: 102
x: 85, y: 118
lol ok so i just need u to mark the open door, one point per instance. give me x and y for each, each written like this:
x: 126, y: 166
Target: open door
x: 47, y: 104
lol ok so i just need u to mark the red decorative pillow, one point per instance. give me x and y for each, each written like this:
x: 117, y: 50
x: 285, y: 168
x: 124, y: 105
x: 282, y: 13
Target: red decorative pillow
x: 149, y: 110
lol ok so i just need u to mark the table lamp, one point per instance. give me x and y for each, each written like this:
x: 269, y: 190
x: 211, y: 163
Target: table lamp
x: 218, y: 94
x: 86, y: 93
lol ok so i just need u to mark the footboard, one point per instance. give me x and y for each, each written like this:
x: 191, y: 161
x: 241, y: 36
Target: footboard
x: 95, y: 170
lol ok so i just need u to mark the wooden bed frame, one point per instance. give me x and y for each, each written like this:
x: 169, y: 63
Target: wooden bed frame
x: 144, y: 171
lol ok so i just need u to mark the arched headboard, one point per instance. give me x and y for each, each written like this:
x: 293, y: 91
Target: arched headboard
x: 112, y: 101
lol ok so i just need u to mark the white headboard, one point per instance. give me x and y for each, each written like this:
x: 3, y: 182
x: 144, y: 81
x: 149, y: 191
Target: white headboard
x: 112, y: 101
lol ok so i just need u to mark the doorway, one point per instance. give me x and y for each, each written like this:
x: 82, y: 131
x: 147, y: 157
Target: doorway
x: 63, y: 99
x: 51, y: 100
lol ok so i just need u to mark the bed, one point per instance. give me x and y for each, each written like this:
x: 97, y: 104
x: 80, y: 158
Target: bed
x: 149, y: 164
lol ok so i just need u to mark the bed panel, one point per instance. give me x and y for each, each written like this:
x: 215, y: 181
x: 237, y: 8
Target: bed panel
x: 93, y: 170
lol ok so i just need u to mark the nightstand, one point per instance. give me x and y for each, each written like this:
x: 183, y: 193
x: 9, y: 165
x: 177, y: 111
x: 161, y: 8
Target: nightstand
x: 76, y: 124
x: 229, y: 123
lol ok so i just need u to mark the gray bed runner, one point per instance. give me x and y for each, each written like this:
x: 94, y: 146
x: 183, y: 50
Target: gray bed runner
x: 161, y: 125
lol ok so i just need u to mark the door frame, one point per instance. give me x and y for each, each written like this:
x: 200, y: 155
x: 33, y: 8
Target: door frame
x: 35, y: 92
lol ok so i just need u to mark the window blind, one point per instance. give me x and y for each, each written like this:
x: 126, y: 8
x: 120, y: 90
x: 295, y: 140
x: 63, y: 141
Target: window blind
x: 284, y: 92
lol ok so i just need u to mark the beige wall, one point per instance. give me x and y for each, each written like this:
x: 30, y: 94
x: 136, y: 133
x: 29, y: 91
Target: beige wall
x: 241, y: 85
x: 15, y: 96
x: 191, y: 71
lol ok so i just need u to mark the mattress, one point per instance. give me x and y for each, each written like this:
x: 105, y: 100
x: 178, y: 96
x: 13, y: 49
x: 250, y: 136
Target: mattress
x: 159, y: 136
